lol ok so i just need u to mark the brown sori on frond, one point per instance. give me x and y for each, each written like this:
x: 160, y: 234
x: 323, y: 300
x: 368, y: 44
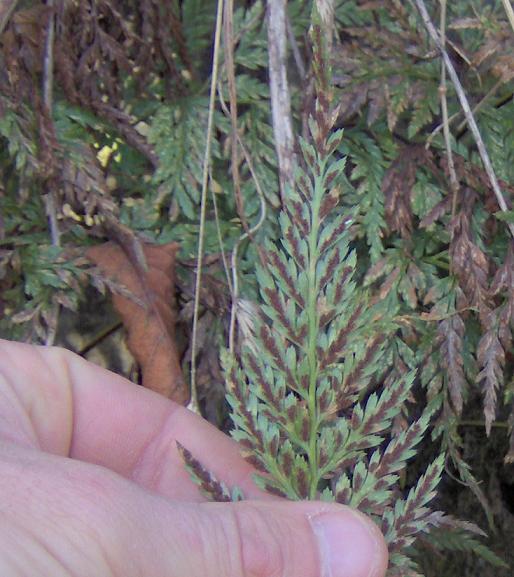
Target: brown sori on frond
x: 451, y: 333
x: 469, y: 262
x: 388, y: 283
x: 439, y: 210
x: 401, y: 448
x: 497, y: 338
x: 277, y: 262
x: 308, y: 399
x: 397, y: 185
x: 491, y: 359
x: 338, y: 344
x: 504, y: 277
x: 112, y: 37
x: 375, y: 46
x: 476, y: 179
x: 472, y: 177
x: 356, y: 380
x: 411, y: 515
x: 208, y: 484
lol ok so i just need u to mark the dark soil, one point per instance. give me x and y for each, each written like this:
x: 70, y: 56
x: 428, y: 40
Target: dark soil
x: 485, y: 456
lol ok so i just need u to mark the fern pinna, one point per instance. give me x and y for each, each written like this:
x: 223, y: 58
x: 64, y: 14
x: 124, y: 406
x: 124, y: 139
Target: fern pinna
x: 306, y: 409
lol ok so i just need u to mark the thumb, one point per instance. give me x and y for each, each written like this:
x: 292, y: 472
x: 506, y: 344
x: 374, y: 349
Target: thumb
x: 274, y: 539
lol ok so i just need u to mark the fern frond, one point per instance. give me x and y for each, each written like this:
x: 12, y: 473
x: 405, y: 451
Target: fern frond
x: 300, y: 396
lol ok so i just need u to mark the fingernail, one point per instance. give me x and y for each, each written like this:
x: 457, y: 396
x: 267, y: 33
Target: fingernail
x: 349, y: 544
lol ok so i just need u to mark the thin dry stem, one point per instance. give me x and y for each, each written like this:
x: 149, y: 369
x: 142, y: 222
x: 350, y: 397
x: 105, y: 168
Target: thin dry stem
x: 454, y: 183
x: 193, y: 405
x: 233, y: 283
x: 456, y: 115
x: 509, y: 11
x: 228, y: 44
x: 243, y: 237
x: 219, y: 234
x: 6, y: 9
x: 50, y: 201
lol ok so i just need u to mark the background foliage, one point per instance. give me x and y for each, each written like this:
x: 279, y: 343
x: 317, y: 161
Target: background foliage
x: 103, y: 111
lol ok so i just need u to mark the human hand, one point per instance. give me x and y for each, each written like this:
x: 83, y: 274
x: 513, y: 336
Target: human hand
x: 92, y: 485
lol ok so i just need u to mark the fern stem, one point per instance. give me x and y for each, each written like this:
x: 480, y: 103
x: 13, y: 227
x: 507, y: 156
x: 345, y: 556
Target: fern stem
x: 313, y: 331
x: 481, y: 424
x: 509, y: 11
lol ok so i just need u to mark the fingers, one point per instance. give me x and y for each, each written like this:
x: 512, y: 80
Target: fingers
x: 260, y: 539
x: 81, y: 518
x: 70, y: 516
x: 54, y: 400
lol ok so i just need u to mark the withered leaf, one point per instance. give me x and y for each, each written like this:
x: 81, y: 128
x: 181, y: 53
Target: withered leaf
x: 470, y: 263
x: 150, y: 328
x: 491, y: 357
x: 397, y: 185
x: 451, y: 331
x: 387, y: 285
x: 380, y: 268
x: 439, y: 210
x: 504, y: 277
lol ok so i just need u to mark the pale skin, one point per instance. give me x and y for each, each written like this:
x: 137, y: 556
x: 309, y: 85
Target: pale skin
x: 92, y: 485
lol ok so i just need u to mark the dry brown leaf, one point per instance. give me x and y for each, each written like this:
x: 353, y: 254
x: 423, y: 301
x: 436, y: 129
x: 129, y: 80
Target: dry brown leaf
x: 470, y: 264
x: 451, y: 331
x: 397, y: 185
x: 387, y: 285
x: 491, y: 359
x: 150, y: 328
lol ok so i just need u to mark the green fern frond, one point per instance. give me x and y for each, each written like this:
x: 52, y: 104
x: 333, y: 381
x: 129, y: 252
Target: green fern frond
x: 299, y: 394
x: 177, y: 131
x: 447, y: 539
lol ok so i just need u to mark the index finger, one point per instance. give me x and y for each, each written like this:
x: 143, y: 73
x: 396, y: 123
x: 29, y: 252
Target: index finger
x: 55, y: 401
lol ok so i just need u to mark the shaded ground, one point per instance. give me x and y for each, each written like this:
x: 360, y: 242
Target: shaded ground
x: 486, y: 459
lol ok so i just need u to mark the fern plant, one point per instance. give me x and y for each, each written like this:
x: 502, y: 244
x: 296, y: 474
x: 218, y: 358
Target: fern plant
x: 303, y: 392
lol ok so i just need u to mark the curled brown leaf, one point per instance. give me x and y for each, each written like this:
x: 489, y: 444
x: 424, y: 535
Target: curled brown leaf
x: 149, y: 318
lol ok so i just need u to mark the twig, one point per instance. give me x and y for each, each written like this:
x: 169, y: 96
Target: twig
x: 224, y: 259
x: 243, y: 237
x: 454, y: 183
x: 279, y: 89
x: 466, y: 109
x: 99, y: 337
x: 50, y: 201
x: 510, y: 12
x: 228, y: 42
x: 234, y: 282
x: 456, y: 115
x: 6, y: 9
x: 48, y: 65
x: 480, y: 103
x: 481, y: 424
x: 48, y: 82
x: 193, y: 405
x: 219, y: 234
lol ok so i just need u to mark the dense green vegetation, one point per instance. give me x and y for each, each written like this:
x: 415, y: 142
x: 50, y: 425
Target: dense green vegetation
x: 104, y: 109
